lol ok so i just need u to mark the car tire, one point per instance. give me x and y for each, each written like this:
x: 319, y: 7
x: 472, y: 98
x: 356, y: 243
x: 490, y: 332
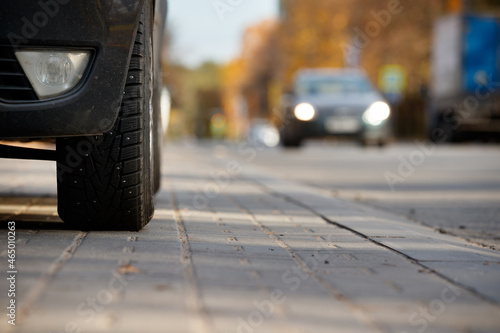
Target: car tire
x: 382, y: 143
x: 158, y: 88
x: 290, y: 137
x: 292, y: 143
x: 157, y: 146
x: 106, y: 182
x: 447, y: 131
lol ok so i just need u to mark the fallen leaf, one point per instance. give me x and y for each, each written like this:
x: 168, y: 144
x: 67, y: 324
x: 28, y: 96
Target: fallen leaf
x: 162, y: 287
x: 128, y: 269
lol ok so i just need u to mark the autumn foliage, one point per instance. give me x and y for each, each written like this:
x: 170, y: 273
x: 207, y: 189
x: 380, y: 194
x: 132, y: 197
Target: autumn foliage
x: 334, y: 33
x: 327, y: 33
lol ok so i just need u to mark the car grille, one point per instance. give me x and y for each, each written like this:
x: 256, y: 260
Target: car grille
x: 14, y: 85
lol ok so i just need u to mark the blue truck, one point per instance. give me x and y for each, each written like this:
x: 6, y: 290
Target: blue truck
x: 465, y: 89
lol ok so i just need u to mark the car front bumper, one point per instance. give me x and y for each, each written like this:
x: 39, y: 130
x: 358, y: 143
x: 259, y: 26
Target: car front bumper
x: 107, y: 28
x: 319, y: 127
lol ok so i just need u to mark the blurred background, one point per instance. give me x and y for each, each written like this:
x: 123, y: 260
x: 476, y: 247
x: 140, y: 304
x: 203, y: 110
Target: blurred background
x: 229, y: 63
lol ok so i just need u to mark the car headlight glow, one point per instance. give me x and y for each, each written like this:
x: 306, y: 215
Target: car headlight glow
x: 53, y: 72
x: 304, y: 112
x: 377, y: 113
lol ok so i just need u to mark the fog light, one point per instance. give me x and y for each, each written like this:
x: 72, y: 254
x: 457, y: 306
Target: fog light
x: 53, y: 73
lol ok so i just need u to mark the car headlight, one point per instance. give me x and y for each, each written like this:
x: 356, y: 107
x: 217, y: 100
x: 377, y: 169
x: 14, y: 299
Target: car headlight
x: 53, y: 72
x: 304, y: 112
x: 377, y: 113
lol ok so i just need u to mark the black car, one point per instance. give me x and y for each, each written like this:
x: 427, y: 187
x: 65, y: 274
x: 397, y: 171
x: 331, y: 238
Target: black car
x: 86, y: 73
x: 335, y: 102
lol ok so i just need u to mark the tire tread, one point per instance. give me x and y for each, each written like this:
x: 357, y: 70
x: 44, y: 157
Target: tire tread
x: 106, y: 190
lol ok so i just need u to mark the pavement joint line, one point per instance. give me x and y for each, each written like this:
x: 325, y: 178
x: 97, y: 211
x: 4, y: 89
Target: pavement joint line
x: 338, y: 195
x: 374, y: 241
x: 41, y: 285
x: 358, y: 310
x: 422, y: 223
x: 194, y: 297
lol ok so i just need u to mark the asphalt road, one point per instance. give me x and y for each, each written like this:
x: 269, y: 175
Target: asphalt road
x: 329, y: 238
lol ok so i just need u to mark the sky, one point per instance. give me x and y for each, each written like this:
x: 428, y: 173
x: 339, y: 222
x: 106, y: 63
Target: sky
x: 206, y: 30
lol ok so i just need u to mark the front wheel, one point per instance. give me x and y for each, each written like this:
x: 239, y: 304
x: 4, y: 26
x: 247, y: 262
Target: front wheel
x: 106, y: 182
x: 290, y: 136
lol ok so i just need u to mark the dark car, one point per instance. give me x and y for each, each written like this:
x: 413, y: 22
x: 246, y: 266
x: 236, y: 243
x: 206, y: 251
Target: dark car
x: 86, y: 74
x: 335, y: 102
